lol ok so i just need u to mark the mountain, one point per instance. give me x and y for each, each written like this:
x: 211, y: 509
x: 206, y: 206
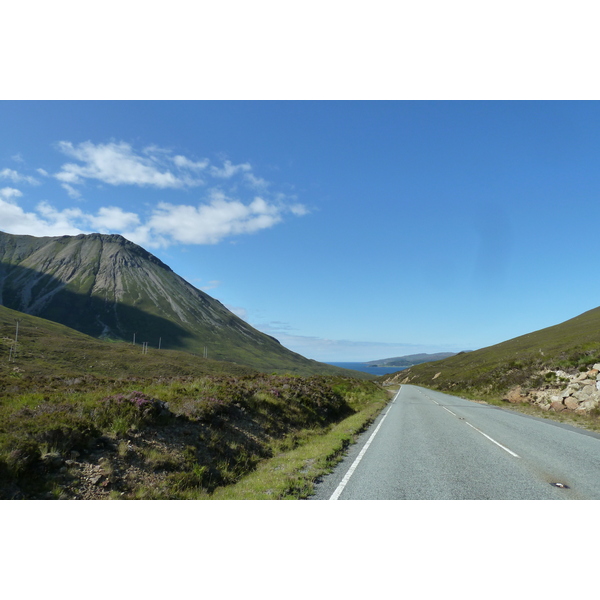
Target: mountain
x: 526, y: 361
x: 108, y: 287
x: 410, y: 359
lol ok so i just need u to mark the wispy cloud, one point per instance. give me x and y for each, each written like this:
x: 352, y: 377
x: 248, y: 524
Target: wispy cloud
x: 71, y: 191
x: 332, y: 350
x: 228, y: 170
x: 241, y: 207
x: 9, y: 194
x: 16, y: 177
x: 211, y: 285
x: 242, y: 313
x: 118, y: 164
x: 185, y: 163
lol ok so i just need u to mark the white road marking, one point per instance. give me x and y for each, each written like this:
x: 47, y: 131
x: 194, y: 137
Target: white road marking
x: 493, y: 440
x: 481, y: 432
x: 343, y: 483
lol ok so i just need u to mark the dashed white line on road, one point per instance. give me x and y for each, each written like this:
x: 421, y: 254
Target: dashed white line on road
x: 481, y: 432
x: 493, y: 440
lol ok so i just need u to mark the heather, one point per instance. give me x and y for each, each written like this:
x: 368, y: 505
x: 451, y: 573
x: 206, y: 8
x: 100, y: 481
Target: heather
x: 169, y: 438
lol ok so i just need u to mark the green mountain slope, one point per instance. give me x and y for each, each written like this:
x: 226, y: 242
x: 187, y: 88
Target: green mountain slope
x: 50, y: 350
x: 572, y: 345
x: 107, y: 287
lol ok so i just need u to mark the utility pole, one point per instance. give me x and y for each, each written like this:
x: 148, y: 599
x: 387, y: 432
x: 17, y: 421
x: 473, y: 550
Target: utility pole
x: 134, y: 339
x: 144, y: 347
x: 159, y: 340
x: 16, y: 338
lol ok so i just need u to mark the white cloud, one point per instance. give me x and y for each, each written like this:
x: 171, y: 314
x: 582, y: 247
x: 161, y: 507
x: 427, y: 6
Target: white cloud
x: 8, y: 193
x: 118, y: 164
x: 185, y: 163
x: 113, y: 218
x: 16, y: 177
x: 299, y: 210
x: 233, y: 209
x: 228, y: 170
x: 13, y: 219
x: 73, y: 193
x: 211, y: 223
x: 255, y: 182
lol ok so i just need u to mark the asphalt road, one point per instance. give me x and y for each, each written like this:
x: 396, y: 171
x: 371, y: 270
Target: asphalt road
x: 426, y: 445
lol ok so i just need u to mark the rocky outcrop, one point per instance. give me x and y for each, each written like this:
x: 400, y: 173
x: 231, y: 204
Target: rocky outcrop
x: 578, y: 393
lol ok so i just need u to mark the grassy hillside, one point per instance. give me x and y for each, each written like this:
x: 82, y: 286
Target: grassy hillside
x: 570, y: 346
x: 50, y: 351
x: 89, y: 419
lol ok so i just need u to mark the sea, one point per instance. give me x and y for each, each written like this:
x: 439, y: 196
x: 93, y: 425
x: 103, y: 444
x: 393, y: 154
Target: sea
x: 358, y: 366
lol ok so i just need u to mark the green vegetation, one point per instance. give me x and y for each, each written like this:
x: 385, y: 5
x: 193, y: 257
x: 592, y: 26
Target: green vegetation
x: 181, y: 438
x: 84, y: 413
x: 529, y: 361
x: 49, y: 349
x: 85, y: 418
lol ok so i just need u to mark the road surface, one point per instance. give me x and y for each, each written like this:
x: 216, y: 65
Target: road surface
x: 426, y: 445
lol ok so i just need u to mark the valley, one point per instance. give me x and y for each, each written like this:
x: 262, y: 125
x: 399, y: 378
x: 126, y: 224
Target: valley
x: 211, y: 408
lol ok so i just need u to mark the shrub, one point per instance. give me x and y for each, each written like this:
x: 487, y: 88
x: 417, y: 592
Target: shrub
x: 122, y: 412
x: 22, y: 458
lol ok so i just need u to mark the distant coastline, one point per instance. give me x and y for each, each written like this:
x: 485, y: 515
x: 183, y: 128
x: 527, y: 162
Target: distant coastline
x: 361, y: 366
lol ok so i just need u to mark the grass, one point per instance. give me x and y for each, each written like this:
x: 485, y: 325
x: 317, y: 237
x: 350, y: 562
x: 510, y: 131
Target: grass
x: 572, y: 346
x: 46, y: 348
x: 292, y: 473
x: 178, y: 438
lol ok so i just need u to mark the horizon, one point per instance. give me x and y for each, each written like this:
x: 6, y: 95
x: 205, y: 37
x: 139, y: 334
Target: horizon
x: 385, y: 229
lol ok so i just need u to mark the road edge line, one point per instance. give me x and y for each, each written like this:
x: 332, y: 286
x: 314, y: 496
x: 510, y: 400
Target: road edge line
x: 344, y: 482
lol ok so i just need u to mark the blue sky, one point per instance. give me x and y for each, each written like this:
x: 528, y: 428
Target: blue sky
x: 349, y: 230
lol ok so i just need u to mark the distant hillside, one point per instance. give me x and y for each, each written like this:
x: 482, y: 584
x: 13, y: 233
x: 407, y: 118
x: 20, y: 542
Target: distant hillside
x: 53, y: 350
x: 410, y: 359
x: 109, y: 288
x: 523, y: 361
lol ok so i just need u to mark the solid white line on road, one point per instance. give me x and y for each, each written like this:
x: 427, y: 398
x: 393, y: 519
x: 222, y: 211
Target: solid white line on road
x: 493, y: 440
x: 343, y: 483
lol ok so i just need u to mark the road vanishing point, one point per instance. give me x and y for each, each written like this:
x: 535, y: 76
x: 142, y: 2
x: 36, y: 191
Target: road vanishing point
x: 426, y: 445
